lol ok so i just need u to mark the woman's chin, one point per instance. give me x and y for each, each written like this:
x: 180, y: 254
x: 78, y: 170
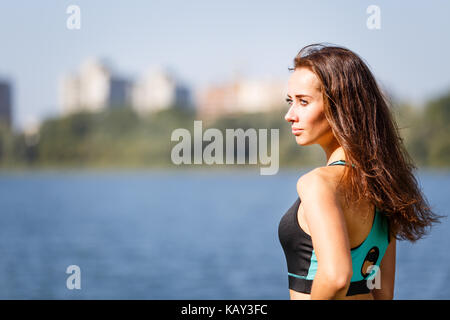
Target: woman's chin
x: 300, y: 141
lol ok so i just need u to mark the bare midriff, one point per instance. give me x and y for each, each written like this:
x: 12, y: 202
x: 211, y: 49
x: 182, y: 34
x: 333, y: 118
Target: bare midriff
x: 295, y: 295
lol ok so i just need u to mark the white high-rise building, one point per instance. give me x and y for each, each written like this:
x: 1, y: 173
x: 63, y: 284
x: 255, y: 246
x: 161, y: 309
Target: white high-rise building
x: 93, y: 88
x: 159, y: 89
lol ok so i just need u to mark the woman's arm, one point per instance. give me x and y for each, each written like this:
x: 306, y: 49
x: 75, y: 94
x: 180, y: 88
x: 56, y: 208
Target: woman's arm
x: 387, y: 273
x: 326, y: 224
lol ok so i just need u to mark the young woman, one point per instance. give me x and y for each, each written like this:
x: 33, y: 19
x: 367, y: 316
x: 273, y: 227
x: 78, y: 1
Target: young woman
x: 339, y: 236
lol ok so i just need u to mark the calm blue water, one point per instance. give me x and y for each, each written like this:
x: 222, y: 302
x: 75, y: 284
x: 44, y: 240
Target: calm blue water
x: 175, y: 235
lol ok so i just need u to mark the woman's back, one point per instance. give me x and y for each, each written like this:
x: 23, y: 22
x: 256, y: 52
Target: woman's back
x: 358, y: 217
x: 367, y: 232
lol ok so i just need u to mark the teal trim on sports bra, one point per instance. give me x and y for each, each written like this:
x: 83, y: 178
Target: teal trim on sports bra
x: 341, y: 162
x: 371, y: 250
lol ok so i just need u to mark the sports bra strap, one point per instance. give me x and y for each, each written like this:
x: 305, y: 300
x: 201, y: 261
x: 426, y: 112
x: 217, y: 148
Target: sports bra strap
x: 339, y: 162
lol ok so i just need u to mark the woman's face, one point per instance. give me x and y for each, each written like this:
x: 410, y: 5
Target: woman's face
x: 306, y: 110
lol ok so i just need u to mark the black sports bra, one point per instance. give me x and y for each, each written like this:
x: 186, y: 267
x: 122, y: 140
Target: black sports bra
x: 302, y: 261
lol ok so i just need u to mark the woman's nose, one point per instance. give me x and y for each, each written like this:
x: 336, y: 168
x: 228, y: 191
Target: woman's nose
x: 290, y: 116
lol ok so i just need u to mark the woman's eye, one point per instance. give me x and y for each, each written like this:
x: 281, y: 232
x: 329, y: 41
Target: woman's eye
x: 302, y: 102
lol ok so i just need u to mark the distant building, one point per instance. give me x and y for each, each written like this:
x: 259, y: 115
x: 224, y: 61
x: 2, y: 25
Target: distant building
x: 241, y: 95
x: 217, y: 100
x: 159, y: 89
x: 5, y: 102
x: 94, y: 88
x: 260, y: 95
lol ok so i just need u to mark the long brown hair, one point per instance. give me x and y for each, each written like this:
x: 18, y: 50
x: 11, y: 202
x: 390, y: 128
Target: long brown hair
x: 359, y: 115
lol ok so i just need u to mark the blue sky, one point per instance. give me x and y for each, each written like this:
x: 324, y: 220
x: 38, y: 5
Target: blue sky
x: 206, y: 41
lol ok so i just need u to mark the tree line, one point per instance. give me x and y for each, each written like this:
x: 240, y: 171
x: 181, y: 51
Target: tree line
x: 119, y: 137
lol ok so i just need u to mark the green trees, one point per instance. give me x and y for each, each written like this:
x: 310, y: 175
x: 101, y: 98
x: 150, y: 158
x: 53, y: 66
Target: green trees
x: 436, y: 125
x: 427, y: 131
x: 118, y: 137
x: 113, y: 137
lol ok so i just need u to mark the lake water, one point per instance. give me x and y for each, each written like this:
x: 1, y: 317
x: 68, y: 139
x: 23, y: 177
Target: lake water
x: 175, y: 235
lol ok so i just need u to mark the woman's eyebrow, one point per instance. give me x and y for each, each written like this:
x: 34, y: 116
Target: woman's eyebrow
x: 300, y: 95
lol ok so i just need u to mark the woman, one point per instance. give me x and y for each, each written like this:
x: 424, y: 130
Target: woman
x: 341, y: 232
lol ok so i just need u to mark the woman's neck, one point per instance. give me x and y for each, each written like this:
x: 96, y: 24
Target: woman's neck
x: 334, y: 152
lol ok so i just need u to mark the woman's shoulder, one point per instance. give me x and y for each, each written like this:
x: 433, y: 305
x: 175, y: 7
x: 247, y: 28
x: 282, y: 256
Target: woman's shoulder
x: 326, y: 177
x: 321, y: 181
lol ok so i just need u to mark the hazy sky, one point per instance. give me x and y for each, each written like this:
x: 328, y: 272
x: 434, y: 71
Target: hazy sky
x: 206, y: 41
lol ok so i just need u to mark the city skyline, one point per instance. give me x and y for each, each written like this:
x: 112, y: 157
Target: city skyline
x: 207, y: 42
x: 96, y: 85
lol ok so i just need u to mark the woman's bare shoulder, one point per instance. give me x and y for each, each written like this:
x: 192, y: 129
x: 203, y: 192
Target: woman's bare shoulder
x: 326, y: 177
x: 319, y: 180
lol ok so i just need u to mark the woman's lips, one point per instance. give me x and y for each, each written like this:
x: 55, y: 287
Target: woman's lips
x: 296, y: 131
